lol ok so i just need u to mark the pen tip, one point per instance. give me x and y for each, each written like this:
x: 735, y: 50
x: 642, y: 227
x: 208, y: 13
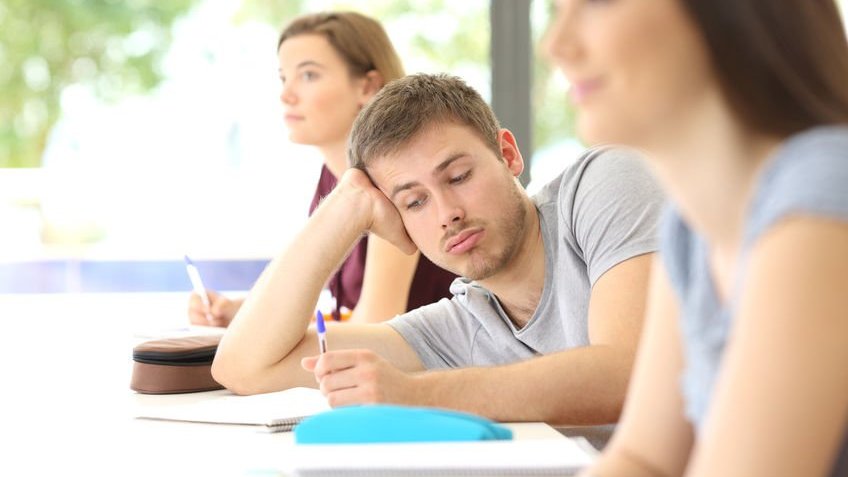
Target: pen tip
x: 319, y: 322
x: 188, y: 260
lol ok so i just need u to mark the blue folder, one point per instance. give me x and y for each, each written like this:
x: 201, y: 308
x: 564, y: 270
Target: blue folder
x: 388, y: 423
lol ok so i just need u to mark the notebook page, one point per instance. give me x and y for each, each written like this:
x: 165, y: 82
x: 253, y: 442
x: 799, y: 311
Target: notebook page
x: 267, y: 409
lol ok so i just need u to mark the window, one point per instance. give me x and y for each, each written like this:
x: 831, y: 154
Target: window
x: 149, y: 131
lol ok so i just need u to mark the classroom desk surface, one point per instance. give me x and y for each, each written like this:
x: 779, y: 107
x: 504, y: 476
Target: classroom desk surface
x: 66, y: 404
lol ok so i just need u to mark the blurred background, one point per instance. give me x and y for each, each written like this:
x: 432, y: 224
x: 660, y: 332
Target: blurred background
x: 135, y: 131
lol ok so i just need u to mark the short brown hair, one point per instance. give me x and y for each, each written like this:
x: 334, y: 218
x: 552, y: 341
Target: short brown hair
x: 360, y: 40
x: 407, y: 106
x: 783, y: 65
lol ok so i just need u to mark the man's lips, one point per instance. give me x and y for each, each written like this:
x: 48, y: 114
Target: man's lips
x: 464, y: 240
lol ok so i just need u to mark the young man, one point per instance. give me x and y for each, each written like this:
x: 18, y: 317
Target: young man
x: 544, y: 326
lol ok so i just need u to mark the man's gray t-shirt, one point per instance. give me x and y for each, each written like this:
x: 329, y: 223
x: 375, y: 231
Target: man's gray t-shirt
x: 600, y: 211
x: 808, y: 176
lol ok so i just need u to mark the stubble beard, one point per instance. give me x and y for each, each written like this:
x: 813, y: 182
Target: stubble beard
x: 511, y: 227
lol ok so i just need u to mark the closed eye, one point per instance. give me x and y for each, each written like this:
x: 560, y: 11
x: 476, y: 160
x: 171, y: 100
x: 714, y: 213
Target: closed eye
x: 460, y: 178
x: 416, y: 204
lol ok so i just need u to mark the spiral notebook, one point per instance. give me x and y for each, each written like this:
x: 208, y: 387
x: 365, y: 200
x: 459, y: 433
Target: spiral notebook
x: 272, y: 412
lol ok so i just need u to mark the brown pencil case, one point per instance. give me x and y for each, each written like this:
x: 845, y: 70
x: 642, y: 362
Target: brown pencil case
x: 175, y: 365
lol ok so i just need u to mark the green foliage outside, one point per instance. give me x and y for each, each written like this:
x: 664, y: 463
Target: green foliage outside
x: 114, y: 48
x: 110, y: 46
x: 554, y: 117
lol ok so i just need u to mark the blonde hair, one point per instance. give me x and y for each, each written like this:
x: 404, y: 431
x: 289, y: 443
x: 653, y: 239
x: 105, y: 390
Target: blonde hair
x: 360, y: 40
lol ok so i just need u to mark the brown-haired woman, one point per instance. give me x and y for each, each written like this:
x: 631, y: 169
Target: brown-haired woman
x: 331, y: 65
x: 741, y: 106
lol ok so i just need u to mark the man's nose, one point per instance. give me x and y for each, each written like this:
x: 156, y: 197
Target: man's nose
x: 450, y: 212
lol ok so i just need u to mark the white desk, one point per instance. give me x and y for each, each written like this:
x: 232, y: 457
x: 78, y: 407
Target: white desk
x: 241, y: 450
x: 65, y: 361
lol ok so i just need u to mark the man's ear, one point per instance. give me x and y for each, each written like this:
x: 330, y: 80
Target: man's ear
x: 510, y: 153
x: 372, y: 82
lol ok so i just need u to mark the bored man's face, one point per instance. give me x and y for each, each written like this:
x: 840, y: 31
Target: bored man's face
x: 458, y: 200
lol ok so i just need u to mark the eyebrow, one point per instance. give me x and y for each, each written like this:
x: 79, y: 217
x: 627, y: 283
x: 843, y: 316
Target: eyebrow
x: 438, y: 169
x: 305, y: 63
x: 309, y: 63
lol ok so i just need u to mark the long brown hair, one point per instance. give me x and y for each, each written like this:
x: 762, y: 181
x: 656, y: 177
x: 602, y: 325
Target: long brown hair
x: 783, y: 64
x: 360, y: 40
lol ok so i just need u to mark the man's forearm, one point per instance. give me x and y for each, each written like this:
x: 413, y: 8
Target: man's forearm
x: 275, y: 315
x: 584, y: 386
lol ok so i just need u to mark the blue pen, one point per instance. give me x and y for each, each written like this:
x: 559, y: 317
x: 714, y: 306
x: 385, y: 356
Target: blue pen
x: 322, y: 332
